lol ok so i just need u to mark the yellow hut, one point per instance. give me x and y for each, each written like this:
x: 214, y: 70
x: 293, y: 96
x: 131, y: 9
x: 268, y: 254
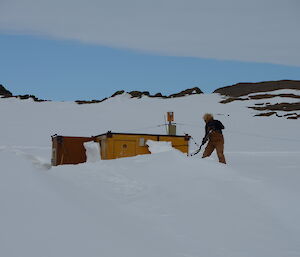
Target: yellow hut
x: 71, y: 150
x: 118, y: 145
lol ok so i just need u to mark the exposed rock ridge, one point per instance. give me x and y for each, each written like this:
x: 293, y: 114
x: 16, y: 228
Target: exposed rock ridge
x: 242, y: 89
x: 4, y: 91
x: 139, y: 94
x: 7, y: 94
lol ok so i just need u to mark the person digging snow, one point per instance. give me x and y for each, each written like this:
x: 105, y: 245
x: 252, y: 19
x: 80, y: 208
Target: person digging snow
x: 214, y: 136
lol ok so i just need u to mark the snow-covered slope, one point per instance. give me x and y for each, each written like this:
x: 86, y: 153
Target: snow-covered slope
x: 164, y: 204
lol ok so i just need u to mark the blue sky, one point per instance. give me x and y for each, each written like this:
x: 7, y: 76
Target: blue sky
x: 78, y: 49
x: 67, y: 70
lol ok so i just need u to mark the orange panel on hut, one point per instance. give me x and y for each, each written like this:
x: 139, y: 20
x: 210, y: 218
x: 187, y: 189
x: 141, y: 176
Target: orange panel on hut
x: 68, y: 150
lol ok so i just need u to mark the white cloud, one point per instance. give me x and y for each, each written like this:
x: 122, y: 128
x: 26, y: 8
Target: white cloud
x: 252, y: 30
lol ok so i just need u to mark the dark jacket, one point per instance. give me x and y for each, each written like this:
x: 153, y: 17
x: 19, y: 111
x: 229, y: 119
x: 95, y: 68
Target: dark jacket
x: 213, y: 125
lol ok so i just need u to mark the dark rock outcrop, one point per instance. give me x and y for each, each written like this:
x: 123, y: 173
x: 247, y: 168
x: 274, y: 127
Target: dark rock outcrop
x: 158, y: 95
x: 295, y: 117
x: 89, y: 101
x: 4, y: 91
x: 278, y: 107
x: 189, y: 91
x: 265, y: 96
x: 231, y: 99
x: 266, y: 114
x: 25, y: 97
x: 139, y: 94
x: 258, y: 97
x: 290, y: 116
x: 120, y: 92
x: 7, y: 94
x: 242, y: 89
x: 263, y: 91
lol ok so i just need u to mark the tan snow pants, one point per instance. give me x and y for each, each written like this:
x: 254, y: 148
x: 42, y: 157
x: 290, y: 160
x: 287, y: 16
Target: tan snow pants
x: 216, y: 141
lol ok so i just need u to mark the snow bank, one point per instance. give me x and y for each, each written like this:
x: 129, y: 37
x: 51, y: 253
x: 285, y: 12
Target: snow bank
x: 159, y: 147
x: 92, y: 150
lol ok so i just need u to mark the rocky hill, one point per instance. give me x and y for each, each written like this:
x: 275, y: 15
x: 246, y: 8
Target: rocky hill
x: 278, y: 98
x: 134, y: 94
x: 242, y: 89
x: 139, y: 94
x: 4, y: 93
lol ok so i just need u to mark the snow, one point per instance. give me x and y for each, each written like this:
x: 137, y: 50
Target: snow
x: 277, y: 92
x: 92, y: 151
x: 159, y: 147
x: 163, y: 204
x: 275, y: 100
